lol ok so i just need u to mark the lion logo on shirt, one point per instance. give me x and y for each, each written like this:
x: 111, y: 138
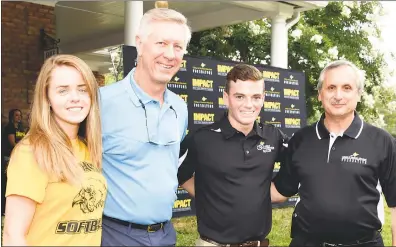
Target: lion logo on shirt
x: 91, y: 196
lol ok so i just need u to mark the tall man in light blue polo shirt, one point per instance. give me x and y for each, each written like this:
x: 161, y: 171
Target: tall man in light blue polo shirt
x: 143, y: 124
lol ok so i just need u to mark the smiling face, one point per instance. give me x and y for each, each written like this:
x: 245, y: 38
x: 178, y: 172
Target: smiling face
x: 339, y: 93
x: 244, y: 100
x: 68, y: 97
x: 161, y: 52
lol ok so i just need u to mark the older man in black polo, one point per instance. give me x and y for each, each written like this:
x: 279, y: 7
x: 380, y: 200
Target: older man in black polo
x: 338, y: 162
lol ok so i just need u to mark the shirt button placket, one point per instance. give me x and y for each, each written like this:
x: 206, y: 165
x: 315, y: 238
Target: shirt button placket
x: 246, y: 149
x: 246, y: 156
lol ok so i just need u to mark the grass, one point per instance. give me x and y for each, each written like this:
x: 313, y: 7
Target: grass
x: 187, y: 234
x: 186, y: 228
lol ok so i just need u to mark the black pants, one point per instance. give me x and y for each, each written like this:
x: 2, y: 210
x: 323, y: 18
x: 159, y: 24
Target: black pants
x: 302, y: 240
x: 3, y: 184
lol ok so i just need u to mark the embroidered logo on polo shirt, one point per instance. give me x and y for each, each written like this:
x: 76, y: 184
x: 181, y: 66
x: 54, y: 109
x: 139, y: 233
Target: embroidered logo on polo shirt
x: 266, y: 148
x: 353, y: 158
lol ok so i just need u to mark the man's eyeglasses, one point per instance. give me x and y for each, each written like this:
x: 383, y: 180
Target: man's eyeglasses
x: 170, y: 137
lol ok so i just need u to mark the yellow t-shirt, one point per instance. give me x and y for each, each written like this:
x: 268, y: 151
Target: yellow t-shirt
x: 66, y: 215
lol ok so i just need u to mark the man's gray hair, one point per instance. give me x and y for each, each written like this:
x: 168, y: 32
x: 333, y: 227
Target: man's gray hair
x: 360, y: 75
x: 163, y: 15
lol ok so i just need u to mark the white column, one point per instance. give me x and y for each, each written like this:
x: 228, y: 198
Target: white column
x: 133, y: 12
x: 279, y: 41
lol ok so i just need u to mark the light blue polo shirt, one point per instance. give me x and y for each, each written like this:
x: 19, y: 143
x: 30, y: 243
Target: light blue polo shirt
x: 141, y: 175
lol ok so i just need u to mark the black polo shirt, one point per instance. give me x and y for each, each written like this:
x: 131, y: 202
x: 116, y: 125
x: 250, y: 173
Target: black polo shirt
x: 232, y: 179
x: 338, y: 183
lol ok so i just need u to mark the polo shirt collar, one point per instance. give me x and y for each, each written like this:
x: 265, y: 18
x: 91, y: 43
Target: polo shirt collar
x: 229, y: 131
x: 354, y: 130
x: 136, y: 92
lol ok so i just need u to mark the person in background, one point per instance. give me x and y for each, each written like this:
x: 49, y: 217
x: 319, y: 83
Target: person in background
x: 55, y: 189
x: 13, y: 132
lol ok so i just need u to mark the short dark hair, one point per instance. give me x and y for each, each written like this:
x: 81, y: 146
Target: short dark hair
x: 242, y: 72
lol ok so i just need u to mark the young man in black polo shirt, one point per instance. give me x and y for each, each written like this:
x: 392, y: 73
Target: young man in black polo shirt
x: 233, y: 160
x: 338, y: 162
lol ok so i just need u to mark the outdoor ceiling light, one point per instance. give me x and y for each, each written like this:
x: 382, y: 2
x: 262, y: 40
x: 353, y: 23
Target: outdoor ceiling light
x: 161, y: 4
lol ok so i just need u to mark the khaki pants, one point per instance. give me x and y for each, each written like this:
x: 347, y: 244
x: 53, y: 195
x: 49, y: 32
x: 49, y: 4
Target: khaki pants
x: 201, y: 242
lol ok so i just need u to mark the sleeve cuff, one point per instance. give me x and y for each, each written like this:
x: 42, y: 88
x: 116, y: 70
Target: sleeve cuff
x: 183, y: 179
x: 283, y: 189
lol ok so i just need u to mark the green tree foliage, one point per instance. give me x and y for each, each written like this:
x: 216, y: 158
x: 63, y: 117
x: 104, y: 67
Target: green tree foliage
x: 338, y: 31
x: 117, y: 70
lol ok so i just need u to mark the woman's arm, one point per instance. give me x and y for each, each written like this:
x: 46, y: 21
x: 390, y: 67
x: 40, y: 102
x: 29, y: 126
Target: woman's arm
x: 18, y: 217
x: 11, y: 139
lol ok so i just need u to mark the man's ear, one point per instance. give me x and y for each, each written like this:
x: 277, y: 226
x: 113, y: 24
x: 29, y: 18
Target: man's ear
x: 138, y: 42
x: 225, y: 98
x: 360, y: 95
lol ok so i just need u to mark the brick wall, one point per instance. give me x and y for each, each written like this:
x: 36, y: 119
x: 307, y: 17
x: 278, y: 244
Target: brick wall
x: 21, y: 53
x: 21, y: 56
